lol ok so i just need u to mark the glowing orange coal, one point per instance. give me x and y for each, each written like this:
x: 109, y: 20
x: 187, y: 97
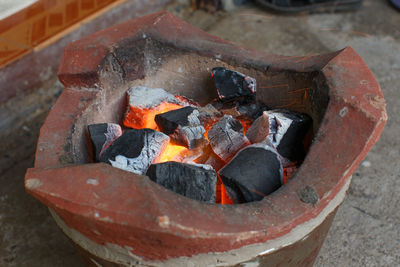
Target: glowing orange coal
x: 171, y: 153
x: 139, y: 118
x: 225, y: 199
x: 246, y: 123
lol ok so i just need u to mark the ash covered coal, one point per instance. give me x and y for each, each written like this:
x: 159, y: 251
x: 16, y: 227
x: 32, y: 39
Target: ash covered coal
x: 253, y: 173
x: 102, y: 135
x: 259, y: 129
x: 226, y: 137
x: 208, y: 115
x: 146, y: 98
x: 233, y: 85
x: 193, y: 181
x: 241, y: 111
x: 183, y: 126
x: 135, y: 150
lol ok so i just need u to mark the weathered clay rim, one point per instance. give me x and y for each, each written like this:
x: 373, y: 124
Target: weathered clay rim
x: 355, y: 96
x: 120, y: 255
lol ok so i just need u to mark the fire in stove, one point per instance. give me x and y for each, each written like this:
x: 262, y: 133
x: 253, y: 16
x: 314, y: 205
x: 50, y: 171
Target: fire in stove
x: 232, y: 150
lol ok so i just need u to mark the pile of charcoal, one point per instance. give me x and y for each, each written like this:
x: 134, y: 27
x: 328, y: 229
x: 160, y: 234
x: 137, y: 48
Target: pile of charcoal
x: 233, y: 150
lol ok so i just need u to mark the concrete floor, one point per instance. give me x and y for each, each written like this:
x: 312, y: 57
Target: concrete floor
x: 366, y: 230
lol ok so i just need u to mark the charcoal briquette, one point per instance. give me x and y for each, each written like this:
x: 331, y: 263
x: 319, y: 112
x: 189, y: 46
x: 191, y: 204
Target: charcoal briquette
x: 102, y: 135
x: 183, y: 126
x: 232, y: 84
x: 287, y: 130
x: 195, y: 181
x: 256, y: 171
x: 259, y: 129
x: 226, y: 137
x: 135, y: 150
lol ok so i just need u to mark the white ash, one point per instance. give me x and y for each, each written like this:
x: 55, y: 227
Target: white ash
x: 145, y: 97
x: 278, y: 126
x: 226, y: 137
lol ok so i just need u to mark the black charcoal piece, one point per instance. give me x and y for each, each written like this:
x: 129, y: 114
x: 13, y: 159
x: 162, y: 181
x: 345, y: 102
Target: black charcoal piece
x: 183, y: 126
x: 232, y: 84
x: 252, y: 110
x: 102, y: 135
x: 226, y: 137
x: 287, y: 130
x: 195, y: 181
x: 253, y: 173
x: 135, y: 150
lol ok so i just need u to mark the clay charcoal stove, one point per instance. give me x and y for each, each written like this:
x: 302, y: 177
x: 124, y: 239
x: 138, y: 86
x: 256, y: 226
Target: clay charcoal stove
x: 119, y: 218
x: 181, y: 145
x: 253, y: 173
x: 102, y: 135
x: 226, y: 137
x: 232, y: 85
x: 135, y: 150
x: 195, y: 181
x: 183, y: 126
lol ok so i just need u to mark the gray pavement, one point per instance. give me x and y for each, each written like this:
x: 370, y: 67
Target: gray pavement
x: 366, y: 230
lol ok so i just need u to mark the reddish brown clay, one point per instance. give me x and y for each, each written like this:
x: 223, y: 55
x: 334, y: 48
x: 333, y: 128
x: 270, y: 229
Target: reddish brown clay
x: 126, y: 219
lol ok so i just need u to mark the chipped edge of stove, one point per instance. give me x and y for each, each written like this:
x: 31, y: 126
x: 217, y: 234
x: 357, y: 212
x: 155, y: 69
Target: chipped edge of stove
x: 123, y: 255
x: 33, y: 183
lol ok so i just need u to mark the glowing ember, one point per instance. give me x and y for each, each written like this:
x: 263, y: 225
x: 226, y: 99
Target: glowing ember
x: 222, y: 195
x: 138, y: 118
x: 171, y: 152
x: 288, y: 173
x: 246, y: 123
x: 225, y: 199
x: 201, y: 147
